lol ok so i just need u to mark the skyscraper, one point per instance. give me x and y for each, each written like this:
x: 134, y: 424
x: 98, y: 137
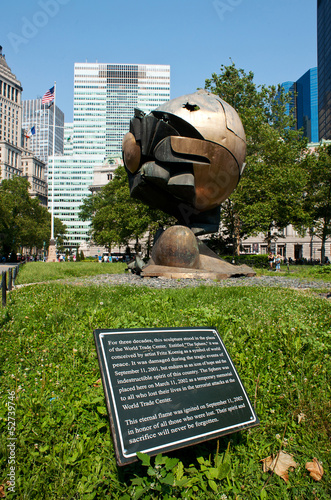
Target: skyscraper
x: 307, y: 104
x: 324, y: 67
x: 291, y: 106
x: 10, y: 121
x: 41, y: 117
x: 105, y: 96
x: 304, y: 103
x: 16, y: 157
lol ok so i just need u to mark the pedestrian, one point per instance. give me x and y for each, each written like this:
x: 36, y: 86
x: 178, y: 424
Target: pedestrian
x: 278, y: 261
x: 271, y: 259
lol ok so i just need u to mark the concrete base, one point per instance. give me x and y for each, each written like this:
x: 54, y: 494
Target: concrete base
x: 51, y: 252
x: 210, y: 267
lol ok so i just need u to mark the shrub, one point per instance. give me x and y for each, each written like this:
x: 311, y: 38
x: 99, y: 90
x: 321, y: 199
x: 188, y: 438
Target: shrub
x: 258, y: 260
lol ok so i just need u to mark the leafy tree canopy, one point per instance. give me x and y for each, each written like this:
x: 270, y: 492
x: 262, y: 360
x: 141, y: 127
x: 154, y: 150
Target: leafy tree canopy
x: 270, y: 193
x: 317, y: 196
x: 24, y: 222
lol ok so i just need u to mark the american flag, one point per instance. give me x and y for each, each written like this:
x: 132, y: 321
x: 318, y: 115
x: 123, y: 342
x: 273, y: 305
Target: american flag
x: 48, y: 97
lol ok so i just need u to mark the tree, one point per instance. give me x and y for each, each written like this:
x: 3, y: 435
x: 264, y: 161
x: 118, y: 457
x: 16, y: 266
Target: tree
x: 269, y: 195
x: 232, y: 230
x: 14, y: 211
x: 24, y: 222
x: 317, y: 199
x: 60, y: 231
x: 117, y: 218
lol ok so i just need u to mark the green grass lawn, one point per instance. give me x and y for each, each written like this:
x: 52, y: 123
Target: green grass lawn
x: 279, y: 341
x: 313, y: 273
x: 37, y: 272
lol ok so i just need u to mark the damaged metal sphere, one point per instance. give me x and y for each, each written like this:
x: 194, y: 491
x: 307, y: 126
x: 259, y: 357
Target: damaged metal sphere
x: 186, y: 157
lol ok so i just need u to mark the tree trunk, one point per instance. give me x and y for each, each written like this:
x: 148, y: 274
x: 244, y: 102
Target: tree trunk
x: 311, y: 234
x: 236, y: 235
x: 268, y: 239
x: 149, y: 244
x: 137, y: 246
x: 323, y: 240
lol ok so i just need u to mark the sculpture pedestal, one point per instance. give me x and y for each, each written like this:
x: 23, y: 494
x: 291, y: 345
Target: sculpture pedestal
x: 179, y: 254
x: 51, y: 252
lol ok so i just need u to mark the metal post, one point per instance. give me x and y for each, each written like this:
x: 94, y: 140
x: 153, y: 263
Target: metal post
x: 4, y: 288
x: 15, y: 274
x: 10, y: 280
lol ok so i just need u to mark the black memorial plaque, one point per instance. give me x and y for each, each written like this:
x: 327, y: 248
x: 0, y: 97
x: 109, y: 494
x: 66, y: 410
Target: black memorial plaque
x: 169, y: 388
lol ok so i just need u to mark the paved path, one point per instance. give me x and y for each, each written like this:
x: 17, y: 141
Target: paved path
x: 162, y: 283
x: 5, y: 267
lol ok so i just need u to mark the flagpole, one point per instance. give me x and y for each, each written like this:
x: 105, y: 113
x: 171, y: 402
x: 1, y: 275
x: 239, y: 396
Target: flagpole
x: 53, y: 170
x: 52, y: 248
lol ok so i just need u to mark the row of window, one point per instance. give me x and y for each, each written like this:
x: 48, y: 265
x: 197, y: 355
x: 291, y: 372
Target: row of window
x: 10, y: 111
x: 9, y: 91
x: 11, y: 171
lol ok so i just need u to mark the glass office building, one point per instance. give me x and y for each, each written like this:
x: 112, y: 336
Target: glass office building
x: 307, y: 104
x: 73, y: 176
x: 41, y: 117
x: 324, y: 67
x: 105, y: 96
x: 290, y: 106
x: 304, y: 103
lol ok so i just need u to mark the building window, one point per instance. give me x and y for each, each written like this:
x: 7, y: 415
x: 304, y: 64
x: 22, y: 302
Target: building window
x: 247, y: 248
x: 298, y: 252
x: 281, y: 249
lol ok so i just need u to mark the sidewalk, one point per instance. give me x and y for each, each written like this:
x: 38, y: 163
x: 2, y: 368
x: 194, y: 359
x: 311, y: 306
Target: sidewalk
x: 6, y: 266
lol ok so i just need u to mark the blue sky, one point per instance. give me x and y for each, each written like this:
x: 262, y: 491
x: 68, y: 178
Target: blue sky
x: 42, y: 39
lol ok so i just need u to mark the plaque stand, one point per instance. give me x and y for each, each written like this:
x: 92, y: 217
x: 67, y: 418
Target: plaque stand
x: 168, y: 388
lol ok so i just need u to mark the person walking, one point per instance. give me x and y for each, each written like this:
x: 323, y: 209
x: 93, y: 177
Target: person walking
x: 278, y: 261
x: 271, y: 259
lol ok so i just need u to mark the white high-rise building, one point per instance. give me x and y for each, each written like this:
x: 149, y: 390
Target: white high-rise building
x: 105, y: 96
